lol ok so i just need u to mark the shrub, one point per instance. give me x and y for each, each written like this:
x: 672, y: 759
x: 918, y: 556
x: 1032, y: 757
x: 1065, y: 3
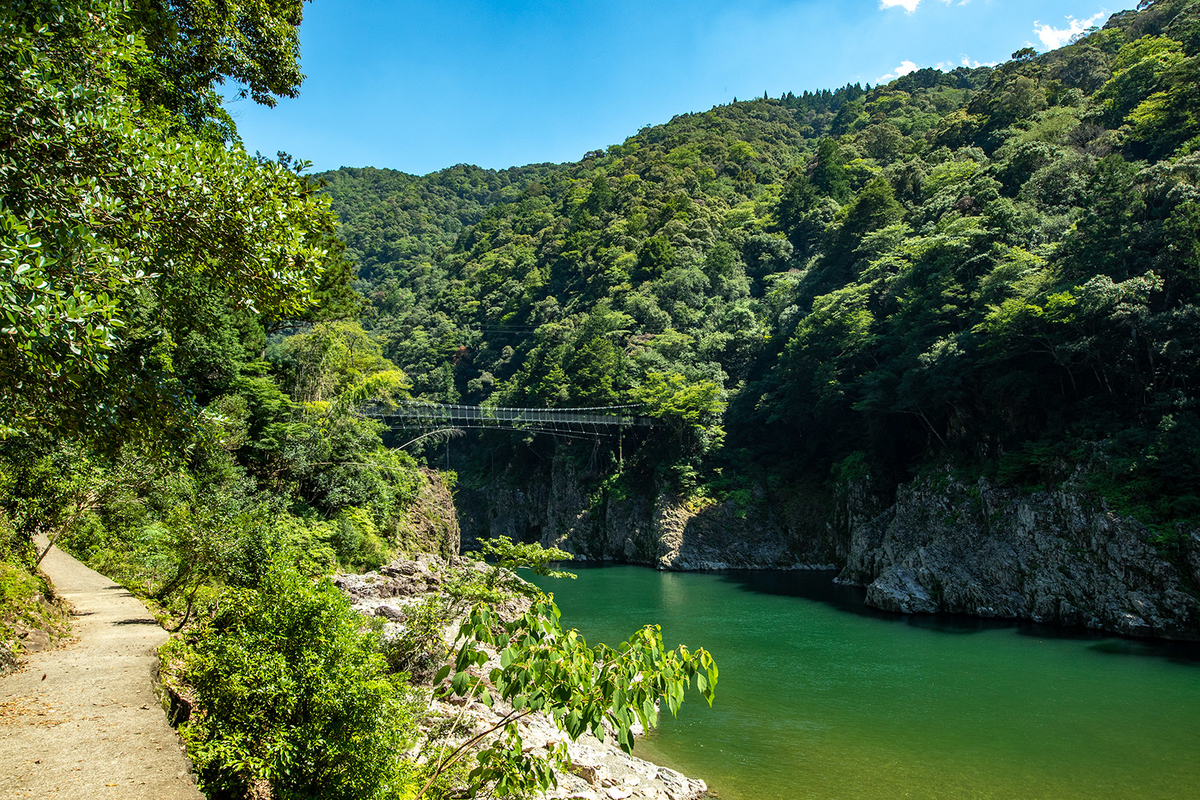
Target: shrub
x: 420, y: 648
x: 291, y: 693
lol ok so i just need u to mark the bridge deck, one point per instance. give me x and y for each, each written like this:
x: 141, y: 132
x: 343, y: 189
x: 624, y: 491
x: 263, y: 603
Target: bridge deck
x: 420, y: 415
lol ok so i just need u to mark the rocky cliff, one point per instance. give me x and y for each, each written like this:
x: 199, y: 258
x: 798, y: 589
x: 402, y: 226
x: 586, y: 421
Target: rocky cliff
x: 1059, y: 556
x: 429, y: 524
x: 567, y: 508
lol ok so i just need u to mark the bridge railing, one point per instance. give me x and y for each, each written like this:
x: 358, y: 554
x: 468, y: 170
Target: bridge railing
x: 419, y: 414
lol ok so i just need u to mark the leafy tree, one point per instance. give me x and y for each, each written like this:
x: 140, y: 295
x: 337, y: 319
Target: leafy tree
x: 545, y: 669
x: 655, y: 257
x: 828, y: 171
x: 196, y: 45
x: 329, y: 359
x: 110, y: 212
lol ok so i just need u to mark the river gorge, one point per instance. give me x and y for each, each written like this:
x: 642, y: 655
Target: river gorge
x: 823, y: 697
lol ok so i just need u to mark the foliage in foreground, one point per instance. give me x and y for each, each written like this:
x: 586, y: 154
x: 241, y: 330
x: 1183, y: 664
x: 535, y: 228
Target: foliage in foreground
x: 292, y: 693
x: 581, y: 688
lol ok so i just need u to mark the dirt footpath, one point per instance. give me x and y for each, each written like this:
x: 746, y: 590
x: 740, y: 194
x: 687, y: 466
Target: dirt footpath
x: 81, y: 721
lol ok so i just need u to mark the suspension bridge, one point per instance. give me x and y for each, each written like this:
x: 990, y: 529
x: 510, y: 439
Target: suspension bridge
x: 592, y: 422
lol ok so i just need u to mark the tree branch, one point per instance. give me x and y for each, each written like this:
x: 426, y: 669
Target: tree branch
x: 463, y: 747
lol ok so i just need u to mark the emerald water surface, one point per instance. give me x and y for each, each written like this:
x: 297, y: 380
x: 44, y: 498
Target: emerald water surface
x: 822, y: 698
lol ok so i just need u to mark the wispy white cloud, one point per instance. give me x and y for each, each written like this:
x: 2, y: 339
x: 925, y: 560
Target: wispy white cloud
x: 1054, y: 38
x: 911, y: 5
x: 904, y: 68
x: 964, y: 61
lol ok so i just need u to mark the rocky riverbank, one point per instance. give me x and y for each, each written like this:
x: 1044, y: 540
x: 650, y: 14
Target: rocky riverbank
x: 600, y: 770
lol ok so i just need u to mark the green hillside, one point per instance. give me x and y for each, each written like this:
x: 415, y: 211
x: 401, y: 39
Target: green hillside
x: 996, y: 266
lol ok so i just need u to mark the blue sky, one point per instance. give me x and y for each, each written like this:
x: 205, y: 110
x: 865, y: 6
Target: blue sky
x: 418, y: 86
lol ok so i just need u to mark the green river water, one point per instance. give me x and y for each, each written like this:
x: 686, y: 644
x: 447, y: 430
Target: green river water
x: 820, y: 697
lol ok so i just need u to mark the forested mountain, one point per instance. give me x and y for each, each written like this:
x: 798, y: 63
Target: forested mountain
x: 392, y: 220
x: 398, y: 229
x: 994, y: 266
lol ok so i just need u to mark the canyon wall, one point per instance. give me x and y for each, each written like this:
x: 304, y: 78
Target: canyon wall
x: 1058, y: 556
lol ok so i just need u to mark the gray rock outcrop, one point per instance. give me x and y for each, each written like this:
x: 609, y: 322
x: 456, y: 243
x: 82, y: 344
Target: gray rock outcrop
x: 1057, y: 556
x: 429, y: 524
x: 600, y: 770
x: 559, y: 510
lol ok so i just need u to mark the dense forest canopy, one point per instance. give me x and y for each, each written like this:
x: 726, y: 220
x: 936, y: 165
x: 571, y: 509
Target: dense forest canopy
x: 996, y: 266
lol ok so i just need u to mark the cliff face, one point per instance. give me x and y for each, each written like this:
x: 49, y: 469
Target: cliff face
x: 1057, y: 556
x: 649, y: 528
x: 430, y: 523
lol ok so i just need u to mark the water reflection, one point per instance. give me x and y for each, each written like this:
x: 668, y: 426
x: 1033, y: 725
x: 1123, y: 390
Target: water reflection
x: 819, y: 586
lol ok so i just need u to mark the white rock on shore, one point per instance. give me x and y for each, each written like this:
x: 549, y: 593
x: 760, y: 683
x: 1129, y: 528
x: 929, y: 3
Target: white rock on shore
x: 599, y: 770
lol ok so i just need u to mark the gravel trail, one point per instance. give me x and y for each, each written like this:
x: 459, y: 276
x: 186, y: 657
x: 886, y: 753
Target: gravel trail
x: 81, y: 722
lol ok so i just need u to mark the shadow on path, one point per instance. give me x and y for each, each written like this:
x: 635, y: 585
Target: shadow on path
x: 82, y: 722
